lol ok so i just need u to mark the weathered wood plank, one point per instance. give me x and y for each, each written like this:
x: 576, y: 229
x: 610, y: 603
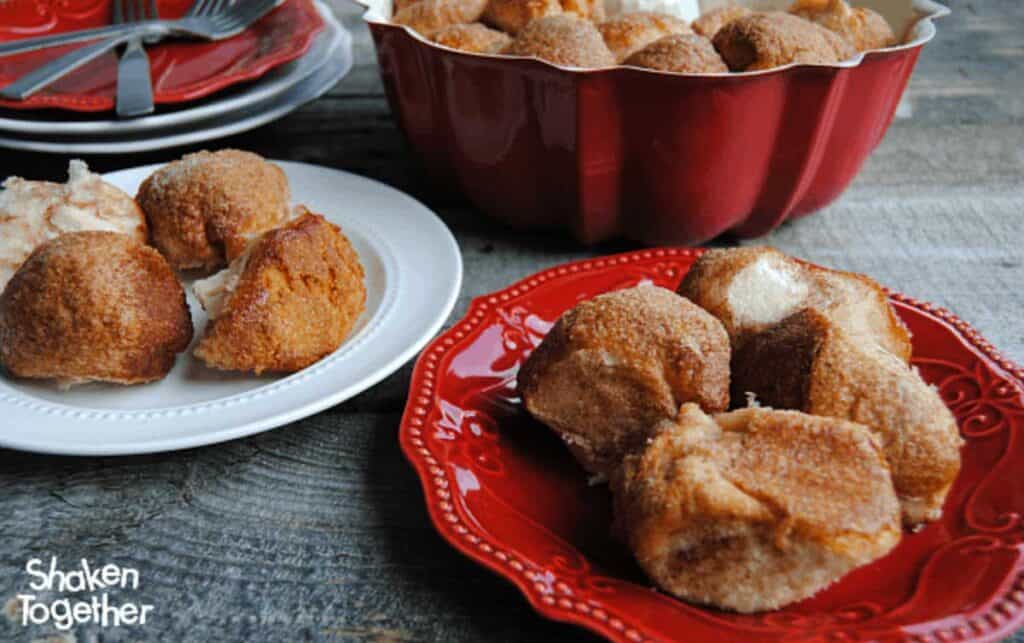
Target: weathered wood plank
x: 314, y: 532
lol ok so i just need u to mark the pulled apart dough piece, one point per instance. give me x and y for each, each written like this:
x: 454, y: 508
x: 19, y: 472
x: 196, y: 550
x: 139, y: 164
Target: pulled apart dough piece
x: 752, y: 289
x: 289, y: 301
x: 755, y: 509
x: 809, y: 363
x: 614, y: 366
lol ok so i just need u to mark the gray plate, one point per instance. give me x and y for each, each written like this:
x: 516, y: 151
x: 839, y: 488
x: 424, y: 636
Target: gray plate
x: 339, y: 62
x: 272, y: 84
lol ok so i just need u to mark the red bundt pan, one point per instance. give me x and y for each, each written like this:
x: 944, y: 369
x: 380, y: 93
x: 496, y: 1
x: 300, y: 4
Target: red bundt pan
x: 661, y: 158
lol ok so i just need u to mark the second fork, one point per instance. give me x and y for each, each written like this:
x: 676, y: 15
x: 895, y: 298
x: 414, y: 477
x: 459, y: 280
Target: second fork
x: 134, y: 80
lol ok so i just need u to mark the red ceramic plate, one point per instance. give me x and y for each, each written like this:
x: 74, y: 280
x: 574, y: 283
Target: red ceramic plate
x: 182, y: 70
x: 505, y: 492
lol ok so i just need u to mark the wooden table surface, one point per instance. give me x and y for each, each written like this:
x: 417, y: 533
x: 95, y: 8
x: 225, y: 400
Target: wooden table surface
x: 317, y: 530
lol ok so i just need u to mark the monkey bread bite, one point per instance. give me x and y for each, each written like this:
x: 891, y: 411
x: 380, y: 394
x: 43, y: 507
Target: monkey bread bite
x: 683, y: 53
x: 614, y: 366
x: 863, y: 28
x: 289, y: 301
x: 709, y: 23
x: 431, y: 16
x: 755, y: 509
x: 205, y: 208
x: 475, y: 37
x: 765, y: 40
x: 752, y: 289
x: 808, y: 363
x: 93, y: 306
x: 512, y: 16
x: 563, y: 40
x: 628, y: 33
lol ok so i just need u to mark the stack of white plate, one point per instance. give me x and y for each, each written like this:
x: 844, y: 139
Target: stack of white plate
x: 270, y: 97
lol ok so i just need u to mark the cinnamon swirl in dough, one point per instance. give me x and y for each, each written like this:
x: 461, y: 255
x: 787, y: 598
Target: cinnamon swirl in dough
x: 614, y: 366
x: 755, y: 509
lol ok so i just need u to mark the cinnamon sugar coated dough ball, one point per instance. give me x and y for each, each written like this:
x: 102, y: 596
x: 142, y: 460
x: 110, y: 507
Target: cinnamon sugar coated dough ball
x: 864, y: 28
x: 755, y: 509
x: 33, y: 212
x: 289, y: 301
x: 630, y: 32
x: 766, y: 40
x: 93, y: 306
x: 428, y: 17
x: 563, y: 40
x: 709, y: 23
x: 810, y: 364
x: 752, y: 289
x: 860, y: 306
x: 511, y: 16
x: 398, y: 5
x: 614, y: 366
x: 205, y: 208
x: 475, y: 38
x: 592, y: 10
x: 683, y: 53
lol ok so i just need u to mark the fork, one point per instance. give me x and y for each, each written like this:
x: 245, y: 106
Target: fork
x: 207, y: 20
x: 134, y: 80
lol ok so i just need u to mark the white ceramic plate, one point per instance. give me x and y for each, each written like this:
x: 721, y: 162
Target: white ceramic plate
x: 271, y: 84
x: 338, y: 64
x: 413, y: 274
